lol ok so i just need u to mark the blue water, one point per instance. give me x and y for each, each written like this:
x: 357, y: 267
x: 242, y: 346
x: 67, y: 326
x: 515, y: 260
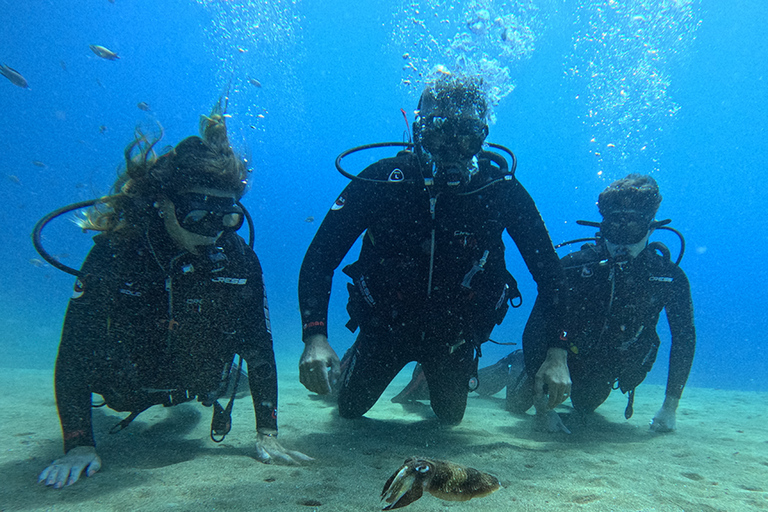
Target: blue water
x: 587, y: 92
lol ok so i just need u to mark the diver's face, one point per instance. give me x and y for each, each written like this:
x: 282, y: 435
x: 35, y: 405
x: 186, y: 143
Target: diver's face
x: 452, y: 139
x: 197, y: 217
x: 625, y: 227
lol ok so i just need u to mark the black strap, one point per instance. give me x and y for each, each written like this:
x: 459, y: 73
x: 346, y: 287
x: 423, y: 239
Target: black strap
x: 171, y: 398
x: 127, y: 421
x: 630, y: 403
x: 221, y: 423
x: 474, y: 379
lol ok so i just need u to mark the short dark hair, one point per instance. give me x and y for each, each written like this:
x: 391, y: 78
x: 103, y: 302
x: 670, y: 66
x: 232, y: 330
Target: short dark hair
x: 637, y: 192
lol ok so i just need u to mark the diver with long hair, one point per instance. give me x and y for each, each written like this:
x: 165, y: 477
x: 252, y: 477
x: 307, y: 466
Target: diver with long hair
x: 167, y: 300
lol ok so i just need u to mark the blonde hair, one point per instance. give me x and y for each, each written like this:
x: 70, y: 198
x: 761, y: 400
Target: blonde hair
x: 206, y: 161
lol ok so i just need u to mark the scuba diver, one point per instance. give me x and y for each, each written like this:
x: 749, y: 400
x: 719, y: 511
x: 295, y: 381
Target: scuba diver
x: 166, y: 299
x: 617, y: 289
x: 431, y: 281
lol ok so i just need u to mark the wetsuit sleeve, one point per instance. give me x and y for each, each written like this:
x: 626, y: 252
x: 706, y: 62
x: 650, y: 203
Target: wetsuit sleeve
x: 258, y: 353
x: 680, y: 315
x: 348, y: 218
x: 85, y: 325
x: 527, y: 229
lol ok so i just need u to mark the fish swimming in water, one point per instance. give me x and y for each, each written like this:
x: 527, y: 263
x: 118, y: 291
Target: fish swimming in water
x: 13, y: 76
x: 254, y: 82
x: 443, y: 479
x: 102, y: 52
x: 143, y: 105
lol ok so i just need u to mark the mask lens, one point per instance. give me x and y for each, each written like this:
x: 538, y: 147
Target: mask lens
x: 624, y: 228
x: 194, y: 216
x: 207, y: 215
x: 232, y: 221
x: 461, y: 136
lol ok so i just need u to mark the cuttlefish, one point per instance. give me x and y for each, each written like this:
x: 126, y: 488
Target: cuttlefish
x: 443, y: 479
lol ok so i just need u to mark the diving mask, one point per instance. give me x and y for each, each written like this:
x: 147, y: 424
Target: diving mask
x: 207, y: 215
x: 452, y: 137
x: 625, y: 227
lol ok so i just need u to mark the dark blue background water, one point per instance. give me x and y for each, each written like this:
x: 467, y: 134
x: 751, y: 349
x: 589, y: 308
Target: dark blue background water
x: 330, y: 79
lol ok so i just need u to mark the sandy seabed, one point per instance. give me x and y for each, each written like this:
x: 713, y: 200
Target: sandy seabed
x: 716, y: 461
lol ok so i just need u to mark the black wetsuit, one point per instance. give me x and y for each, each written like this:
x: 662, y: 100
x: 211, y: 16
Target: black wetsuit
x: 615, y: 308
x: 144, y: 319
x: 409, y: 296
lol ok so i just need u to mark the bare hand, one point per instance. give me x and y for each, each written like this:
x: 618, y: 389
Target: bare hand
x: 553, y: 374
x: 67, y: 470
x: 269, y: 450
x: 665, y: 419
x: 319, y: 365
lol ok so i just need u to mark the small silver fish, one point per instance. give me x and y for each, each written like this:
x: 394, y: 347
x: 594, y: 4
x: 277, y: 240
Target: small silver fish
x: 14, y: 76
x: 38, y: 163
x: 143, y: 105
x: 102, y: 52
x: 254, y: 82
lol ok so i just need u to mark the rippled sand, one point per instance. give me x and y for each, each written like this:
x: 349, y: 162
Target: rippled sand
x: 717, y: 461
